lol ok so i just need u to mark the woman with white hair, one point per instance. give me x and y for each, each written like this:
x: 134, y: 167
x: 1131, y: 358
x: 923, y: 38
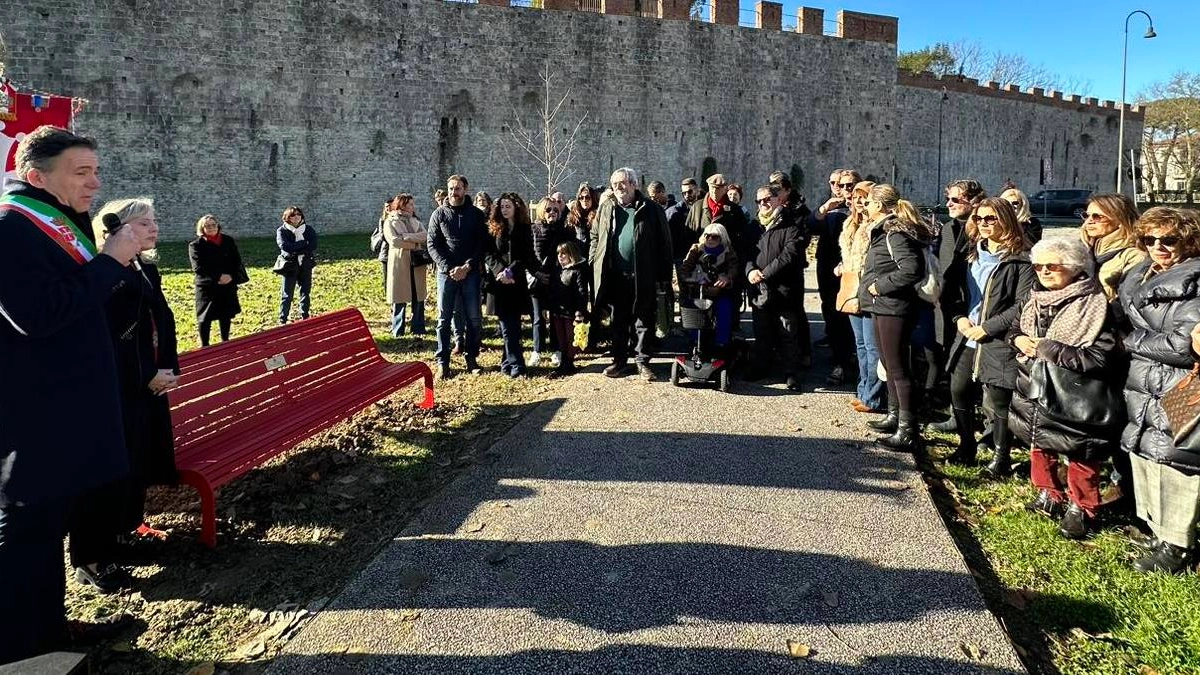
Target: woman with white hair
x: 143, y: 334
x: 1070, y: 376
x: 709, y: 268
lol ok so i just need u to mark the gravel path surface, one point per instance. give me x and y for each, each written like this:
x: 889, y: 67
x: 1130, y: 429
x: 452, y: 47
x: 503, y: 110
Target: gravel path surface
x: 633, y: 527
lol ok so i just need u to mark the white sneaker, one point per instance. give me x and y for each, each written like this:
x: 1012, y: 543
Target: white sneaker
x: 556, y: 359
x: 533, y: 359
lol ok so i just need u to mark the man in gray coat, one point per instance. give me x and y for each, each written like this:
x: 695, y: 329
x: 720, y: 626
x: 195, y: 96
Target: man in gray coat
x: 630, y: 257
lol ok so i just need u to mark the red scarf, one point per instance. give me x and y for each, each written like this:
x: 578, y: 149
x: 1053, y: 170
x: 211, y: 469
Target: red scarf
x: 714, y: 208
x: 215, y: 239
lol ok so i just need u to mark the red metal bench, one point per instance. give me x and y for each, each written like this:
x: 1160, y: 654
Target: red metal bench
x: 242, y: 402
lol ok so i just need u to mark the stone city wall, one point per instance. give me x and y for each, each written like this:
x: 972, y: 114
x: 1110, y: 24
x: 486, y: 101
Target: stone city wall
x: 242, y: 108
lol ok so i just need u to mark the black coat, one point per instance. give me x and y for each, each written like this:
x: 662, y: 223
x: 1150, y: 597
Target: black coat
x: 953, y: 246
x: 894, y: 270
x: 779, y: 254
x: 457, y: 235
x: 568, y: 291
x: 1006, y: 292
x: 511, y: 250
x: 303, y: 252
x: 1102, y: 360
x: 1033, y: 230
x: 60, y: 413
x: 142, y: 327
x: 1156, y: 317
x: 209, y: 261
x: 652, y: 253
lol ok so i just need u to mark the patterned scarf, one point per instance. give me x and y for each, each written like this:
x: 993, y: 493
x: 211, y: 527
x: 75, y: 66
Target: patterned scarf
x: 770, y: 218
x: 1077, y: 313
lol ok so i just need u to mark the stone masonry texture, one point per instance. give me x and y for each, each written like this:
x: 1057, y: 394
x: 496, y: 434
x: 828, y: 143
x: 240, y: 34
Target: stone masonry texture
x: 243, y: 108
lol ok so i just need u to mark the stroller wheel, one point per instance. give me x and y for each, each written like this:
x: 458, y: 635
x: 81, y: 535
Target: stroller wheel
x: 675, y: 373
x: 723, y: 380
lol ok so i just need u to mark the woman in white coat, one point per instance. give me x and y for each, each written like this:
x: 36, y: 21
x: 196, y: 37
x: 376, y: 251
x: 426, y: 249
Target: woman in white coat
x: 407, y: 259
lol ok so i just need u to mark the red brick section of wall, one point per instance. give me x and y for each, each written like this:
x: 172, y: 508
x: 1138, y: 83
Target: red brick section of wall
x: 679, y: 10
x: 967, y: 85
x: 812, y: 21
x: 724, y: 12
x: 872, y: 27
x: 769, y: 15
x: 621, y: 7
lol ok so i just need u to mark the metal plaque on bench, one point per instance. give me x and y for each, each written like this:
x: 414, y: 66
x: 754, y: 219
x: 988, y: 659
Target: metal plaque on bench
x: 275, y: 362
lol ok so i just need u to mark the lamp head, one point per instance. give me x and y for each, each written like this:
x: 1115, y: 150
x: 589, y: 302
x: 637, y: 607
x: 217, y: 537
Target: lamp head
x: 1150, y: 33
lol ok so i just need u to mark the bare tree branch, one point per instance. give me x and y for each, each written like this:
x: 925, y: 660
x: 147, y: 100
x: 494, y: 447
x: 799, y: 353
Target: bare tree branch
x: 554, y: 152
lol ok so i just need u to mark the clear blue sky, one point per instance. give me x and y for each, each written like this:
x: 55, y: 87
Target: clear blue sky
x: 1078, y: 39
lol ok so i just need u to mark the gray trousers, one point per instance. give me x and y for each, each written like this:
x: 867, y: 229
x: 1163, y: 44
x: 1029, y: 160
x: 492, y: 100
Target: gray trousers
x: 1167, y: 499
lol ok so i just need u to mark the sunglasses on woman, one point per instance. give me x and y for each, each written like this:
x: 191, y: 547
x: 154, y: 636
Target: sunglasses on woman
x: 1167, y: 242
x: 987, y: 220
x: 1049, y: 267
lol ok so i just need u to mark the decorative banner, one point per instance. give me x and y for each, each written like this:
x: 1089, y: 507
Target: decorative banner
x: 21, y: 113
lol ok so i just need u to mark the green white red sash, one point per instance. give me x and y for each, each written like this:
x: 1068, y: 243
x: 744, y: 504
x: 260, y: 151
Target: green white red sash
x: 54, y: 224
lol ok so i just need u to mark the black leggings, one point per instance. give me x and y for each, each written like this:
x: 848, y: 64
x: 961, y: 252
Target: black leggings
x: 998, y: 399
x: 894, y: 336
x: 206, y: 330
x: 964, y: 392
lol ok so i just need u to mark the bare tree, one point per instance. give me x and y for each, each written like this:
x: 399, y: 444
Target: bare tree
x: 551, y: 149
x: 3, y: 54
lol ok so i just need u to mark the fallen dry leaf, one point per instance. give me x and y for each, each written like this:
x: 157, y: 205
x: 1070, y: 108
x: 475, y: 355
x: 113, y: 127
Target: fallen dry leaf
x: 476, y: 527
x: 972, y: 650
x: 798, y: 650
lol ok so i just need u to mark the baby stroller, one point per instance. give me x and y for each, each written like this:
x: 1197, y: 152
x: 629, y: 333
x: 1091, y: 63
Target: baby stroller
x: 700, y: 366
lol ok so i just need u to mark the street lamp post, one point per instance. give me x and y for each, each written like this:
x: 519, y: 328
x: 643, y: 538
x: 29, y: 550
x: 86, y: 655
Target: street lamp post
x: 941, y: 109
x: 1124, y: 64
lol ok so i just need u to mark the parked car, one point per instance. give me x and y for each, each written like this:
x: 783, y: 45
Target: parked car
x: 1062, y: 203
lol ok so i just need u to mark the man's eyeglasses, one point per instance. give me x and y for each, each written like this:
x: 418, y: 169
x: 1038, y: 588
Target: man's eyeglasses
x: 1167, y: 242
x: 957, y: 200
x: 987, y: 220
x: 1049, y: 267
x: 765, y: 201
x: 846, y: 186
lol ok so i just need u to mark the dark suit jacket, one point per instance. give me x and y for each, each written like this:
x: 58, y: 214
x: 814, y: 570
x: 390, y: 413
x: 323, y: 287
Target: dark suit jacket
x: 60, y: 413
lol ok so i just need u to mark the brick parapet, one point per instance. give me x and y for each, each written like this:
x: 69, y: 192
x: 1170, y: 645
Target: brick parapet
x: 967, y: 85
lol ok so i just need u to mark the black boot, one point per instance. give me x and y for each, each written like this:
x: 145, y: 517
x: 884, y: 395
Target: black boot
x: 1001, y: 464
x: 947, y: 426
x: 964, y: 421
x: 906, y: 438
x: 889, y: 423
x: 1167, y: 558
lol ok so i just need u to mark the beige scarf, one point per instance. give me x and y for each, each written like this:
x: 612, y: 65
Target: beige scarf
x: 1079, y: 310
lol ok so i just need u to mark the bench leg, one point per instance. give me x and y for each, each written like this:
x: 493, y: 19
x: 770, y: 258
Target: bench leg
x: 427, y: 375
x: 208, y: 506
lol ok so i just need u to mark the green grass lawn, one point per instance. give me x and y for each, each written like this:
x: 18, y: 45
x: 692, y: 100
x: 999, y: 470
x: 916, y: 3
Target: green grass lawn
x: 1075, y: 607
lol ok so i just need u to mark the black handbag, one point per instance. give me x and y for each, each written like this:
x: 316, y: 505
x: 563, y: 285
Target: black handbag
x: 1075, y: 399
x: 286, y: 266
x: 420, y: 257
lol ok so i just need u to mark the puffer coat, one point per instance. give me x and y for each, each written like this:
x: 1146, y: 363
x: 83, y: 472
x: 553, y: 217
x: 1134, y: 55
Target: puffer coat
x: 1157, y: 312
x: 895, y: 263
x: 1102, y: 360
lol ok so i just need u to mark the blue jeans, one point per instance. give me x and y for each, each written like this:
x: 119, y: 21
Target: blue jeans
x: 450, y: 293
x: 871, y: 391
x: 513, y: 363
x: 542, y: 335
x: 399, y: 313
x: 303, y: 277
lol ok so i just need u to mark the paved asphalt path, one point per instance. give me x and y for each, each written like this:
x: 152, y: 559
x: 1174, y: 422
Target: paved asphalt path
x: 633, y: 527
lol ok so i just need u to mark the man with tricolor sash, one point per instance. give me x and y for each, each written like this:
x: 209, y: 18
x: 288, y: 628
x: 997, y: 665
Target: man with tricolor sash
x: 60, y: 418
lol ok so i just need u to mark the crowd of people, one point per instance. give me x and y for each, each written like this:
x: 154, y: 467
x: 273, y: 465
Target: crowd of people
x: 1081, y: 350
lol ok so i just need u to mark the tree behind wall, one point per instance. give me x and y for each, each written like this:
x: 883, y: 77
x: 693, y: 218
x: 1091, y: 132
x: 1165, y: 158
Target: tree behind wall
x: 972, y: 59
x: 1171, y: 133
